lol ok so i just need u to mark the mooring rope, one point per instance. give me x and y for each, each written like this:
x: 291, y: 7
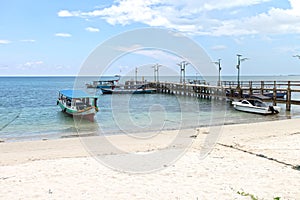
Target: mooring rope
x: 7, y: 124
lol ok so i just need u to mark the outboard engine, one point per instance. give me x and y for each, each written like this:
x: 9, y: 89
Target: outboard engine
x: 271, y: 108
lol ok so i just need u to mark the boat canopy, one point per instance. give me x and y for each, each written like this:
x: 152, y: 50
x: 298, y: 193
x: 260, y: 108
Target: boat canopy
x: 76, y: 94
x: 109, y: 78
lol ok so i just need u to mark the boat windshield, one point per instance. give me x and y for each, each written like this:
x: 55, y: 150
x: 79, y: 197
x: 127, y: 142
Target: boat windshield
x: 259, y: 103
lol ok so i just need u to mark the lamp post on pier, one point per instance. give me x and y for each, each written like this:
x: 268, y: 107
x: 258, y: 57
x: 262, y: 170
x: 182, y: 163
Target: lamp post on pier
x: 156, y: 72
x: 219, y: 65
x: 136, y: 71
x: 197, y: 77
x: 182, y: 66
x: 239, y: 60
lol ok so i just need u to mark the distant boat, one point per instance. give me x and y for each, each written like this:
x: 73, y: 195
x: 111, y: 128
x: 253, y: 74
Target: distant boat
x: 279, y: 95
x: 78, y: 104
x: 130, y: 87
x: 104, y: 82
x: 255, y: 106
x: 265, y: 96
x: 128, y: 91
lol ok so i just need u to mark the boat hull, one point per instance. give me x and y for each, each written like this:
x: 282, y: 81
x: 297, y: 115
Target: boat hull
x: 128, y: 91
x: 255, y: 109
x: 88, y: 114
x: 98, y: 86
x: 279, y: 95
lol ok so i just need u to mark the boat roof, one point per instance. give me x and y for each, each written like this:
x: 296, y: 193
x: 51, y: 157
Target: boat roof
x: 109, y: 78
x: 261, y: 97
x: 76, y: 94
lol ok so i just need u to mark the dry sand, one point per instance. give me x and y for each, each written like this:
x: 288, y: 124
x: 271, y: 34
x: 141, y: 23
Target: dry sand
x: 250, y: 159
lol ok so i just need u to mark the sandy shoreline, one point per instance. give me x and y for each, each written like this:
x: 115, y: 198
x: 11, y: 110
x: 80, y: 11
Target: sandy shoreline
x: 250, y: 159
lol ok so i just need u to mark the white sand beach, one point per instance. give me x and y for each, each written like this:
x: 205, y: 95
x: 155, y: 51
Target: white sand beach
x: 256, y: 159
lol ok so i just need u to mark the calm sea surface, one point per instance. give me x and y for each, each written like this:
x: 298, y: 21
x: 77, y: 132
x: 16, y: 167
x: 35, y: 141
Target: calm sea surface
x: 28, y: 110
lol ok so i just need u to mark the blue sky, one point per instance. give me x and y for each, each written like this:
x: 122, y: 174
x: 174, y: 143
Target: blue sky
x: 55, y: 37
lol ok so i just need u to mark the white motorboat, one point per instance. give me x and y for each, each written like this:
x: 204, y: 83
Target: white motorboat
x: 255, y: 106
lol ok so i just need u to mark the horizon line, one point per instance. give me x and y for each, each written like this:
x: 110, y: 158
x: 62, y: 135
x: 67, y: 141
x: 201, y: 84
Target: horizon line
x: 141, y: 76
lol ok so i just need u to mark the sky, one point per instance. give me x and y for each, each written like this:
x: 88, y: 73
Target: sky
x: 39, y: 37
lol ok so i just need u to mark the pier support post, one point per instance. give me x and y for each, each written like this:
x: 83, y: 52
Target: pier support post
x: 274, y: 94
x: 262, y: 85
x: 233, y: 92
x: 250, y: 89
x: 288, y: 97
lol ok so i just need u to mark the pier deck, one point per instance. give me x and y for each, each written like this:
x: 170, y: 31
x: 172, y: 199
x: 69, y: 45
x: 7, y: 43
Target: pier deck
x: 234, y: 91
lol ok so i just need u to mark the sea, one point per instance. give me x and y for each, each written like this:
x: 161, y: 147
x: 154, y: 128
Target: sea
x: 28, y: 109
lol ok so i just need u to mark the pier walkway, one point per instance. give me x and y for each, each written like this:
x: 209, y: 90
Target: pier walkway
x: 283, y: 92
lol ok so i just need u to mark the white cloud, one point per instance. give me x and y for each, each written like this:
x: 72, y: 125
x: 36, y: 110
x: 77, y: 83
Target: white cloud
x: 66, y: 13
x: 275, y: 21
x: 5, y: 41
x: 193, y: 17
x: 223, y: 4
x: 28, y: 40
x: 92, y: 29
x: 63, y: 35
x: 30, y: 65
x: 34, y: 63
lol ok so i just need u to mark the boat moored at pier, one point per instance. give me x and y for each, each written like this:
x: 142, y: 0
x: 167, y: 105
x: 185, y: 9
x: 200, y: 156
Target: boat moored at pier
x: 108, y: 82
x: 278, y: 94
x: 255, y: 106
x: 130, y: 87
x: 128, y: 91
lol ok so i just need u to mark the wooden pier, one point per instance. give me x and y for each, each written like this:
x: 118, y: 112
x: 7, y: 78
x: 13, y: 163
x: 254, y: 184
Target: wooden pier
x: 231, y: 90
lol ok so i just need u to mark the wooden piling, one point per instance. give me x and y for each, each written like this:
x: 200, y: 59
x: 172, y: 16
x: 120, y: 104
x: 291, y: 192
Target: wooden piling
x: 229, y: 89
x: 274, y: 94
x: 288, y: 97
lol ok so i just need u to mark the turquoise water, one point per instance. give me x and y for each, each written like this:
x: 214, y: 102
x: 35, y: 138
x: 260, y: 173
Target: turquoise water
x: 28, y: 110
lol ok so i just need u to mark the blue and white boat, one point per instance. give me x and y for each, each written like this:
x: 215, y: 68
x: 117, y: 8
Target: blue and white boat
x: 108, y: 82
x: 130, y: 89
x: 279, y: 95
x: 78, y: 103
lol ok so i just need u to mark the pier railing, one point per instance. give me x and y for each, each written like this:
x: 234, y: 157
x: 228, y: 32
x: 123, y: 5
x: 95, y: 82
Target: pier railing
x: 268, y: 90
x: 291, y: 89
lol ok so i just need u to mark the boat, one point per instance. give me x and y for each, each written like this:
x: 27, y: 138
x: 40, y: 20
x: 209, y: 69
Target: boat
x: 265, y: 96
x: 78, y: 103
x: 130, y: 87
x: 128, y: 91
x: 255, y: 106
x: 104, y: 82
x: 279, y: 95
